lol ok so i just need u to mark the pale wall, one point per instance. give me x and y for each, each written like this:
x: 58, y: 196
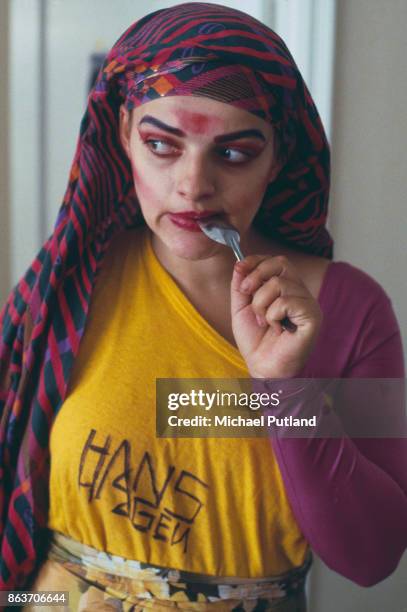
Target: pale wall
x: 369, y: 191
x: 4, y: 157
x: 368, y: 207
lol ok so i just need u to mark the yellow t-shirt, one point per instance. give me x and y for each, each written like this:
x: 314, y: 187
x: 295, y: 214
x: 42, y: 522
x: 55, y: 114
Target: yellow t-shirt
x: 214, y: 506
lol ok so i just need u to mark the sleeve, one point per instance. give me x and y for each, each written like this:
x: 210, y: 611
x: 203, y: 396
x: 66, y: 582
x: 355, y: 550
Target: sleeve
x: 349, y: 495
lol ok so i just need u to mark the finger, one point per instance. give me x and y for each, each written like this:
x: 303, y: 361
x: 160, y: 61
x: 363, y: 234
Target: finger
x: 273, y: 289
x: 238, y: 299
x: 249, y: 263
x: 265, y: 269
x: 301, y: 311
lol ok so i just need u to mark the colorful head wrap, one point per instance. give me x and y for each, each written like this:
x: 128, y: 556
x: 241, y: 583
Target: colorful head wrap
x: 195, y: 49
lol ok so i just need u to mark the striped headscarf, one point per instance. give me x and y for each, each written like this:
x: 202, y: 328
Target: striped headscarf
x: 166, y: 53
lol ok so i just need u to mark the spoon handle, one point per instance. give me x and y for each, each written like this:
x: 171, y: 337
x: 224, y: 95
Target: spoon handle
x: 234, y: 244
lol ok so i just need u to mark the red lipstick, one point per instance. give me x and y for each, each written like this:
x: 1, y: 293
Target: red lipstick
x: 188, y: 219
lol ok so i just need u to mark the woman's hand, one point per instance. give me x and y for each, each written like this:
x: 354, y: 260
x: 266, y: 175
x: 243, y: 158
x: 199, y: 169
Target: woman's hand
x: 264, y: 291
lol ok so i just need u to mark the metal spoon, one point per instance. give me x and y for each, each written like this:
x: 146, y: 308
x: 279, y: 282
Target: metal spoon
x: 226, y: 234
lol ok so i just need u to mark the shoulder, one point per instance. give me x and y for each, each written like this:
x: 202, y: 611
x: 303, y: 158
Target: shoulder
x: 360, y: 322
x: 350, y: 282
x: 360, y: 334
x: 349, y: 297
x: 311, y: 269
x: 355, y: 304
x: 337, y: 283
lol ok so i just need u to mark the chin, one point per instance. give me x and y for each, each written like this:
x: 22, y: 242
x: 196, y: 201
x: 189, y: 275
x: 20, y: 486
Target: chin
x: 193, y: 246
x: 191, y: 249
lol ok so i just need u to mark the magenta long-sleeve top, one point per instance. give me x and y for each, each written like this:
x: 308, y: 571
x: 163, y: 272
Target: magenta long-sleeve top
x: 349, y: 495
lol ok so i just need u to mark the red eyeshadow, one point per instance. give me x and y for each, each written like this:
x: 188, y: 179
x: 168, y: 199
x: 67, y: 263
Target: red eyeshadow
x: 156, y: 136
x: 244, y: 148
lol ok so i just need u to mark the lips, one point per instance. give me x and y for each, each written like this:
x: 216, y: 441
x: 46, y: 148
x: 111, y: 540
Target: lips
x: 192, y: 214
x: 188, y: 220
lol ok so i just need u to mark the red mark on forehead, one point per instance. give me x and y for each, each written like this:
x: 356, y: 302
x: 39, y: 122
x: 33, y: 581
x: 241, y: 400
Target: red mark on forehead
x: 196, y: 122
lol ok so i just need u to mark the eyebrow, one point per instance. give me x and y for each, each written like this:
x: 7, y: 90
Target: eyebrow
x: 252, y: 133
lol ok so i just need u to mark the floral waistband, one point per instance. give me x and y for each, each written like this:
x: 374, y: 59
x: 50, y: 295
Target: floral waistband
x: 148, y: 581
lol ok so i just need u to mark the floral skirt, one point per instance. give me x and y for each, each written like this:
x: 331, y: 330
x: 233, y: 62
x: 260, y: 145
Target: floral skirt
x: 98, y: 581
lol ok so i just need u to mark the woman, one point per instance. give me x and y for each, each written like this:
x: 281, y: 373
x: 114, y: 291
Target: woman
x: 199, y: 112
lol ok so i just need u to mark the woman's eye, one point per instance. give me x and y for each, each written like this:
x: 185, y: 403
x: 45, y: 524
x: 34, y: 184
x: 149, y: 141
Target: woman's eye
x: 235, y: 155
x: 160, y: 147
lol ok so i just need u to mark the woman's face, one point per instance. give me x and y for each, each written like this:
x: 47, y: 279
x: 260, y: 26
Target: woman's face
x: 192, y: 158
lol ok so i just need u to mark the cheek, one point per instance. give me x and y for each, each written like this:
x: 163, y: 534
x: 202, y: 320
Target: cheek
x: 147, y: 189
x: 261, y: 184
x: 249, y: 193
x: 245, y: 199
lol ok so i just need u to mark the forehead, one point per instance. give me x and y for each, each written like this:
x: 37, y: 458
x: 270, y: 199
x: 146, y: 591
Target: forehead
x: 199, y: 115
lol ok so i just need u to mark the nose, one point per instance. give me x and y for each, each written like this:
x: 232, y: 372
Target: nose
x: 196, y: 180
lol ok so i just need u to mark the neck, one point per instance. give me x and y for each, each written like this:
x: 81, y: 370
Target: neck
x: 209, y: 274
x: 212, y: 274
